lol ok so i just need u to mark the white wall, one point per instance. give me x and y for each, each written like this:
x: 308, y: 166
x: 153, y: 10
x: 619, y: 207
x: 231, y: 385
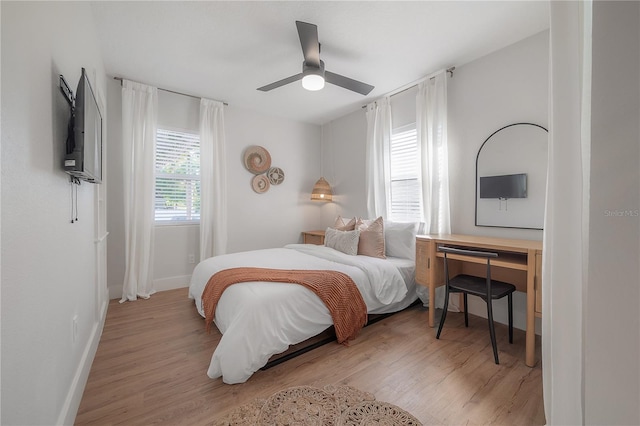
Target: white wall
x: 255, y: 221
x: 612, y: 295
x: 278, y: 216
x: 115, y: 206
x: 507, y: 86
x: 49, y: 267
x: 343, y: 165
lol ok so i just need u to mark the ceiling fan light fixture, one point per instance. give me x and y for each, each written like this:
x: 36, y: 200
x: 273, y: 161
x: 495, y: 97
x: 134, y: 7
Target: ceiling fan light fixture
x: 313, y: 82
x: 313, y: 76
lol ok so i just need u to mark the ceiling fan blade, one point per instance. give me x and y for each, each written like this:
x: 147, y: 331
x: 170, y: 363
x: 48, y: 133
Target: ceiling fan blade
x: 348, y: 83
x: 281, y: 82
x: 308, y: 34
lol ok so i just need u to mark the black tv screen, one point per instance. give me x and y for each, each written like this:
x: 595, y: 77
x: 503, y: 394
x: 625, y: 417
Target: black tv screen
x: 504, y: 186
x: 83, y: 159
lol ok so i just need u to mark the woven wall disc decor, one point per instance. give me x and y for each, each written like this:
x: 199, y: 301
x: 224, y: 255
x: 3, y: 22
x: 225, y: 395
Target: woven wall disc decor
x: 257, y: 159
x: 276, y: 175
x: 260, y: 183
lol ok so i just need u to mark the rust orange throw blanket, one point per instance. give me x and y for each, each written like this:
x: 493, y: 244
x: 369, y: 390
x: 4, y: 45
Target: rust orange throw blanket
x: 335, y: 289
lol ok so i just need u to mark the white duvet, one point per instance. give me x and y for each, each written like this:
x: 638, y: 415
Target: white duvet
x: 260, y: 319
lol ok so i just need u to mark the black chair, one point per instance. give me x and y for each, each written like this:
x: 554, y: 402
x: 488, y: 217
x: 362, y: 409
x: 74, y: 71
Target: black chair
x: 486, y: 288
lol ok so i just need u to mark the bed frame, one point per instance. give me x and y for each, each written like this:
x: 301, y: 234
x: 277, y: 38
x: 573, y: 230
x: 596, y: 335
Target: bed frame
x: 327, y: 336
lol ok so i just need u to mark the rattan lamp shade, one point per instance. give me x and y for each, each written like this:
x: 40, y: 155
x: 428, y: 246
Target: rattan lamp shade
x: 321, y: 191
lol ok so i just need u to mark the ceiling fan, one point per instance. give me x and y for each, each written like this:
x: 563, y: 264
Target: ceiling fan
x: 313, y: 74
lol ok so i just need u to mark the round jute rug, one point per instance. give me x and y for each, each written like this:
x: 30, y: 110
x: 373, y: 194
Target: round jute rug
x: 310, y: 406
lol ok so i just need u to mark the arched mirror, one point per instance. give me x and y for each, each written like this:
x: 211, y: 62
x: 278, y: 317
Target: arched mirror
x: 511, y: 177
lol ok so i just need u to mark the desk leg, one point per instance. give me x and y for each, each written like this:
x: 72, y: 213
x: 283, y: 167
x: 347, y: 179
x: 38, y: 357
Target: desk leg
x: 432, y: 265
x: 432, y: 304
x: 530, y: 343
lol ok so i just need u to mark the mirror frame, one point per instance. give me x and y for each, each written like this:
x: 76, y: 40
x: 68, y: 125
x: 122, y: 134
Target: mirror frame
x: 476, y: 180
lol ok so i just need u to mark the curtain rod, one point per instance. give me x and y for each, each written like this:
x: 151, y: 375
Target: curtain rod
x: 408, y: 86
x: 173, y: 91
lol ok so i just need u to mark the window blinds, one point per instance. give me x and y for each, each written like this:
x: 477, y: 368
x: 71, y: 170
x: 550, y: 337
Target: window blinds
x: 405, y: 176
x: 177, y: 169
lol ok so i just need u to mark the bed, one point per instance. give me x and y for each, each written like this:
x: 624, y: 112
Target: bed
x: 261, y: 319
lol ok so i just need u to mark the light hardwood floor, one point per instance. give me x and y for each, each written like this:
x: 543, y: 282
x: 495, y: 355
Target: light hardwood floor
x: 151, y: 366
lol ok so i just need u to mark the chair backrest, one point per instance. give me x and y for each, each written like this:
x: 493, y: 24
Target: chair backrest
x: 465, y: 252
x: 473, y: 253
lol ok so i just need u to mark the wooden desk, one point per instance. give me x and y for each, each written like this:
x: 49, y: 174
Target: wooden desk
x: 519, y: 262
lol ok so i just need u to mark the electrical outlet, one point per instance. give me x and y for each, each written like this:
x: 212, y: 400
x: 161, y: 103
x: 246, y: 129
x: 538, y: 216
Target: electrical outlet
x: 192, y: 258
x: 74, y: 328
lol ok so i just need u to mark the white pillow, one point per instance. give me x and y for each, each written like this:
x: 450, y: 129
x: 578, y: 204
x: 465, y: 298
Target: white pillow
x: 344, y: 241
x: 400, y: 239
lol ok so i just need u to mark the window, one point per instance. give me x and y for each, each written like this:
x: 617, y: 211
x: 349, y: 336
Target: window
x: 177, y: 177
x: 405, y: 175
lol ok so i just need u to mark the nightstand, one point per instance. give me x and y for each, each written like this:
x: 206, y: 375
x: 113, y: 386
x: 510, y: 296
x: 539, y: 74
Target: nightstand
x: 313, y: 237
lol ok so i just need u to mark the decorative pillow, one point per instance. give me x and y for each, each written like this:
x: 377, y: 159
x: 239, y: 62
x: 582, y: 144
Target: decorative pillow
x: 371, y: 237
x: 400, y: 239
x: 343, y: 225
x: 344, y: 241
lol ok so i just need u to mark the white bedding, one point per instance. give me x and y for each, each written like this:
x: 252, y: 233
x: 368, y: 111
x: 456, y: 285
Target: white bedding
x: 261, y: 319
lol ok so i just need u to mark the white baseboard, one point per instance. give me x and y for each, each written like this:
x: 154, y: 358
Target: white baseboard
x: 170, y: 283
x: 74, y: 396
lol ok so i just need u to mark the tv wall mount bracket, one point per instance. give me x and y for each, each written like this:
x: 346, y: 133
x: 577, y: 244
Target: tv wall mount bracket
x: 66, y: 91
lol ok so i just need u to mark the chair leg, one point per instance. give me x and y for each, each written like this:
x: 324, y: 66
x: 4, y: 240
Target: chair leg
x: 510, y: 299
x: 466, y: 310
x: 444, y: 312
x: 492, y: 330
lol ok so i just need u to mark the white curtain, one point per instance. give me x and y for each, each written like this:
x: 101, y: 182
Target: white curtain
x: 139, y: 123
x: 566, y: 244
x: 431, y: 125
x: 213, y: 195
x: 377, y: 165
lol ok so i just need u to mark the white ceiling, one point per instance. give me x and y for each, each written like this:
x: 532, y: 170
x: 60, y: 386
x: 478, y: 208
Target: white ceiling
x: 226, y: 50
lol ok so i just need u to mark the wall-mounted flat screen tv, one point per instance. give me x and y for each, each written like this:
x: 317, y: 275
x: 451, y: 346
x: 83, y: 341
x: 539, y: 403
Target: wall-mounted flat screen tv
x: 504, y: 186
x: 83, y: 158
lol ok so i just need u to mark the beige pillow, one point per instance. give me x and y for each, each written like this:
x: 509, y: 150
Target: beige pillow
x: 344, y: 241
x: 371, y: 237
x: 343, y: 225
